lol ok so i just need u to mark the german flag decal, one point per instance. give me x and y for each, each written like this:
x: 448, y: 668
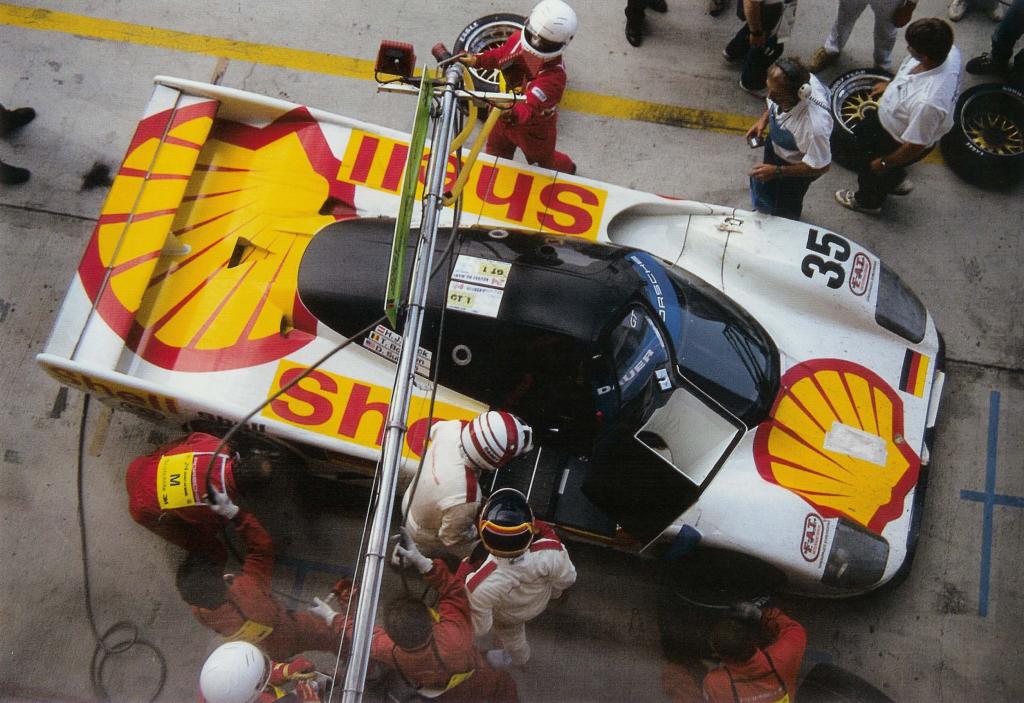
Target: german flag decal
x: 915, y: 371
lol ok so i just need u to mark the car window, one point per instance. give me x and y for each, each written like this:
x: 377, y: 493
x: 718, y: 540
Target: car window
x: 636, y: 349
x: 722, y: 351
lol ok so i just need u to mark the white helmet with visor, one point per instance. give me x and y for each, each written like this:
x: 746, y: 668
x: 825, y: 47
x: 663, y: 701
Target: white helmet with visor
x: 549, y: 29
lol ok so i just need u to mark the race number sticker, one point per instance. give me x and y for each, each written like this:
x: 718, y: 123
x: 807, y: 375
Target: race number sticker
x: 477, y: 300
x: 174, y: 481
x: 477, y: 285
x: 484, y: 272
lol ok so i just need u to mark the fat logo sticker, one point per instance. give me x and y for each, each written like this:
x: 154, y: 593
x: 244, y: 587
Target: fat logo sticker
x: 813, y: 536
x: 793, y: 449
x: 860, y: 274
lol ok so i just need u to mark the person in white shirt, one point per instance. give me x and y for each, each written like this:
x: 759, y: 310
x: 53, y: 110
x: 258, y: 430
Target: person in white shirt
x: 440, y: 505
x: 526, y: 567
x: 796, y: 151
x: 914, y: 111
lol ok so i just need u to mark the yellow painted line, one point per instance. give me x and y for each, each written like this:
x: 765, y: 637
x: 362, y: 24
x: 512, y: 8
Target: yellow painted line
x: 349, y: 67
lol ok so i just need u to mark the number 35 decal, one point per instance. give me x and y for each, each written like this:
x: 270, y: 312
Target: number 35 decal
x: 830, y: 249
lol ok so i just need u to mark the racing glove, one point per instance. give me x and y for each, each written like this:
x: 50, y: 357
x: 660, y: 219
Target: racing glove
x: 748, y: 611
x: 307, y: 692
x: 221, y: 504
x: 297, y: 669
x: 321, y: 609
x: 406, y: 552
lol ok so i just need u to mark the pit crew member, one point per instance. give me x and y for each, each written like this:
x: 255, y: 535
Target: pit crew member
x: 531, y: 61
x: 238, y: 672
x: 440, y: 507
x: 167, y: 491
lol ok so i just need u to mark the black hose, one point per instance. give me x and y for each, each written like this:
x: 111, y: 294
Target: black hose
x: 104, y: 647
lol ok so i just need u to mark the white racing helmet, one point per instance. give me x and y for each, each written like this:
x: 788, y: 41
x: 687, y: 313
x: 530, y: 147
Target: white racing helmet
x: 549, y: 29
x: 235, y: 672
x: 495, y: 438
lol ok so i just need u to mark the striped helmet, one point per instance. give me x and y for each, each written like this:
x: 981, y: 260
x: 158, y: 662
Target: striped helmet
x: 495, y: 438
x: 506, y: 523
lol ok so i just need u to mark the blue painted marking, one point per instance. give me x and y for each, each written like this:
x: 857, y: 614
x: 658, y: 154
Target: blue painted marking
x: 989, y: 499
x: 304, y: 566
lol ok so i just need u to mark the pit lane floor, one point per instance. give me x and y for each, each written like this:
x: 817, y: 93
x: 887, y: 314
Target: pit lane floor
x: 950, y: 632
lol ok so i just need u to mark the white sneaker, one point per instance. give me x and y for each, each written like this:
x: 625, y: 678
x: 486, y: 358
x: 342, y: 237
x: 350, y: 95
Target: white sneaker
x: 957, y: 10
x: 995, y: 12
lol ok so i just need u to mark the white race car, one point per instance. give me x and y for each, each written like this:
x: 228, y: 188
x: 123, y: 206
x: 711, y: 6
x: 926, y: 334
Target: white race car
x: 705, y: 381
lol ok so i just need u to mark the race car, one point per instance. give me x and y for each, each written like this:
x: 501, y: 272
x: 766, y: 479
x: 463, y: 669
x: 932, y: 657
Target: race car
x: 702, y: 379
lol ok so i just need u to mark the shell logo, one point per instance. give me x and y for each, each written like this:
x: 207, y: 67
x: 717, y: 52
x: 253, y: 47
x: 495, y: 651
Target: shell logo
x: 867, y: 483
x: 194, y: 260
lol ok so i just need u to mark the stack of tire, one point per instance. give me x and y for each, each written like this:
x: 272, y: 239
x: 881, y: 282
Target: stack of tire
x: 985, y: 146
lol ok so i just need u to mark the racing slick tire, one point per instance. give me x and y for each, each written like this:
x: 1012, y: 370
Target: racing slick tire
x: 486, y: 33
x: 700, y: 589
x: 850, y: 104
x: 986, y: 145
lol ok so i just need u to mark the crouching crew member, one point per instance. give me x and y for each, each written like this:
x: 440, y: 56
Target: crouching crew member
x: 431, y: 651
x: 749, y: 674
x: 440, y: 507
x: 531, y: 61
x: 167, y: 491
x: 240, y: 607
x: 238, y: 672
x: 526, y: 567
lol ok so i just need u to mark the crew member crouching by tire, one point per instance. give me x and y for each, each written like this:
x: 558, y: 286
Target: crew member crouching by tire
x: 796, y: 150
x: 531, y: 61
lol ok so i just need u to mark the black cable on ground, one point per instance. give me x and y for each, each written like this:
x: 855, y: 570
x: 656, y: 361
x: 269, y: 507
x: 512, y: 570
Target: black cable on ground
x: 106, y: 645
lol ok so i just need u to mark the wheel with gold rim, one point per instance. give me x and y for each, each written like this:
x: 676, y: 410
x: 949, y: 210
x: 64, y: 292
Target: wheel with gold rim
x: 851, y: 103
x: 986, y: 145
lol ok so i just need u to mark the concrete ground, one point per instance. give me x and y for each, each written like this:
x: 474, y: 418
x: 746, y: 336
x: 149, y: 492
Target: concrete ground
x: 950, y: 632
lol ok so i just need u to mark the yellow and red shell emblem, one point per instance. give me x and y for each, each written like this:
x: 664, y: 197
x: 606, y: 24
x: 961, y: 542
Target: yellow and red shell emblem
x: 789, y: 448
x: 194, y: 260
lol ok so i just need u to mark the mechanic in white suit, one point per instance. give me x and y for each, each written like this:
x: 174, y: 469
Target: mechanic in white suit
x: 526, y: 567
x: 440, y: 507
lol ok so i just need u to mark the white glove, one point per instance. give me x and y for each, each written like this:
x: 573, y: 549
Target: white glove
x: 221, y: 504
x: 748, y: 611
x: 323, y: 610
x: 406, y: 552
x: 498, y: 658
x: 472, y: 534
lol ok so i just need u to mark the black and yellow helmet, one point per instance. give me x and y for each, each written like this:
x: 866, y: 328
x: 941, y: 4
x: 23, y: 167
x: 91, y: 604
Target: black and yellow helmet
x: 506, y: 523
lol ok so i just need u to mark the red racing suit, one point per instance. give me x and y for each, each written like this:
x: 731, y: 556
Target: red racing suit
x: 770, y: 675
x: 531, y: 125
x: 443, y: 663
x: 251, y: 614
x: 167, y: 493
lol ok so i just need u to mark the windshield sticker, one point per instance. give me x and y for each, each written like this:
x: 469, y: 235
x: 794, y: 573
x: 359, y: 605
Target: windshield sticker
x: 483, y: 272
x: 659, y: 292
x: 793, y: 448
x: 388, y: 343
x: 476, y: 300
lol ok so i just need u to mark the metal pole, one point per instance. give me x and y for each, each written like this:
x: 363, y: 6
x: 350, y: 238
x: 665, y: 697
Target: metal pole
x: 394, y: 433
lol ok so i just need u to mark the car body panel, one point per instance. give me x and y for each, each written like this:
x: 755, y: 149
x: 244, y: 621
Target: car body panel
x: 187, y: 306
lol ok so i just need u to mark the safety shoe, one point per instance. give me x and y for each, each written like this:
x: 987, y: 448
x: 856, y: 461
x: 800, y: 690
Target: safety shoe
x: 985, y: 64
x: 635, y: 31
x: 715, y: 7
x: 847, y: 199
x: 756, y: 92
x: 11, y: 120
x: 957, y: 10
x: 729, y: 57
x: 995, y: 12
x: 12, y: 175
x: 904, y: 187
x: 658, y: 5
x: 821, y: 59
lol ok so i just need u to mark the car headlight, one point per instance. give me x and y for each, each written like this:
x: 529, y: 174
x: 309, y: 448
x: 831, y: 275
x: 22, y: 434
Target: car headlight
x: 898, y: 309
x: 857, y: 557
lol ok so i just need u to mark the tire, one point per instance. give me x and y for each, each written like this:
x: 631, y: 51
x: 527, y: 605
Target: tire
x: 698, y: 590
x: 827, y: 683
x: 986, y: 145
x: 850, y: 104
x: 486, y: 33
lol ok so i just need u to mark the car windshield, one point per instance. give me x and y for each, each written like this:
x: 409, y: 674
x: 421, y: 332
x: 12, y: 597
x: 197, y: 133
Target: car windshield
x: 722, y: 351
x: 637, y: 350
